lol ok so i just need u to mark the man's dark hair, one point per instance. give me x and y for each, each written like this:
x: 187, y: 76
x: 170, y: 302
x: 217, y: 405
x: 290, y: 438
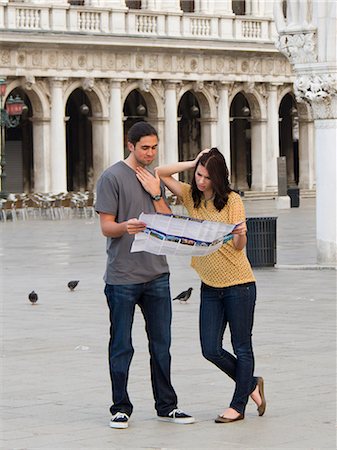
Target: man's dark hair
x: 215, y: 163
x: 139, y: 130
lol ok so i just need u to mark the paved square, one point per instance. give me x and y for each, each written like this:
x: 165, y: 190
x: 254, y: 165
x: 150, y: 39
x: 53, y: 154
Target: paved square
x: 55, y: 382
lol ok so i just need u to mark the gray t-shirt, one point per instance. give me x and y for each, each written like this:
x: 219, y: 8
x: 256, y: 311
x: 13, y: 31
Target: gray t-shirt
x: 120, y: 194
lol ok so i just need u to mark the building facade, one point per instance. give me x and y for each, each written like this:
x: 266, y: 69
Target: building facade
x: 203, y: 72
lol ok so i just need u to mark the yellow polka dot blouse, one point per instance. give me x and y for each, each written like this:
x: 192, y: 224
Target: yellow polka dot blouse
x: 226, y: 266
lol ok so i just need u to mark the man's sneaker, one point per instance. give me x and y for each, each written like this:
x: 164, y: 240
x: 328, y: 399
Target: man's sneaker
x: 119, y: 420
x: 177, y: 416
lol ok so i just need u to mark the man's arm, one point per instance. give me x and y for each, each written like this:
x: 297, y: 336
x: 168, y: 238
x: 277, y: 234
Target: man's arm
x: 111, y: 228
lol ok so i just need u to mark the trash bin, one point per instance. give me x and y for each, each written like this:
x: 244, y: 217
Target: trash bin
x: 294, y: 194
x: 261, y: 241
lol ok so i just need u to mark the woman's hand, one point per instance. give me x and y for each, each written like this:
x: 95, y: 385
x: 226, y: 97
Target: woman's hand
x: 240, y: 229
x: 240, y: 238
x: 149, y: 182
x: 199, y: 155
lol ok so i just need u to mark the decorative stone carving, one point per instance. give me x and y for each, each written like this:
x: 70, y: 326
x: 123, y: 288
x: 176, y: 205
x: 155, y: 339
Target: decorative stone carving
x: 103, y: 86
x: 315, y: 87
x: 28, y: 81
x: 213, y: 89
x: 262, y: 90
x: 44, y: 87
x: 67, y: 59
x: 159, y: 87
x: 198, y: 86
x: 299, y: 48
x: 37, y: 58
x: 88, y: 84
x: 5, y: 57
x: 249, y: 87
x: 320, y: 91
x: 145, y: 85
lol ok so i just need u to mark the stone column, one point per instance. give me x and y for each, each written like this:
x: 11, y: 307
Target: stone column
x: 209, y: 135
x: 272, y: 151
x: 171, y: 124
x: 223, y: 7
x: 223, y: 124
x: 307, y: 37
x: 170, y: 5
x: 100, y: 145
x: 42, y: 169
x: 58, y: 157
x: 116, y: 132
x: 106, y: 3
x: 259, y: 152
x: 306, y: 153
x: 204, y: 6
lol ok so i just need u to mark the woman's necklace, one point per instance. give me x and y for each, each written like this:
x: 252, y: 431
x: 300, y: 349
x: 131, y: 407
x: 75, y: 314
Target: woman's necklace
x: 208, y: 200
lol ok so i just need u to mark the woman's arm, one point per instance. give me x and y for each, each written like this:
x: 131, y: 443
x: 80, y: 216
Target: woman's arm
x: 240, y: 236
x: 165, y: 173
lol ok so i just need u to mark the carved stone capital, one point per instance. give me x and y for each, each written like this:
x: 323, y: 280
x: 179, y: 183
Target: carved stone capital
x: 299, y: 48
x: 320, y: 91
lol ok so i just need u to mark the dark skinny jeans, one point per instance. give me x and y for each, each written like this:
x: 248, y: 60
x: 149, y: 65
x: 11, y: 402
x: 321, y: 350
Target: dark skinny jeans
x: 234, y: 306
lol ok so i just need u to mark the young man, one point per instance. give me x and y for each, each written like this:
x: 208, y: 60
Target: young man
x: 136, y: 278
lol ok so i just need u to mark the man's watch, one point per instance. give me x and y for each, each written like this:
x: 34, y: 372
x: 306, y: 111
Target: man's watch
x: 156, y: 197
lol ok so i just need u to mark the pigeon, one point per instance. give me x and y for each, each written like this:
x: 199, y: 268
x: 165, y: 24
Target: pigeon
x: 72, y: 284
x: 184, y: 296
x: 33, y: 297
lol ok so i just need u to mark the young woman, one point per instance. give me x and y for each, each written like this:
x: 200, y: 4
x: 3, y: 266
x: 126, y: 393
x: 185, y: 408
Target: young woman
x: 228, y: 290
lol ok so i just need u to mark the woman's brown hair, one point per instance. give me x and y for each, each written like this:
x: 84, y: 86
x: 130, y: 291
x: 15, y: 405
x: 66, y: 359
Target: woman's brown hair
x: 216, y: 166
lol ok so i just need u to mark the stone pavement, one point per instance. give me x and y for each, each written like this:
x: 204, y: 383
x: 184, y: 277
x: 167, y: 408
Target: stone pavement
x: 55, y: 389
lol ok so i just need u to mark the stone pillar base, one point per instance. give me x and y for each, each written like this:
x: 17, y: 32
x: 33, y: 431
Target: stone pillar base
x: 282, y: 202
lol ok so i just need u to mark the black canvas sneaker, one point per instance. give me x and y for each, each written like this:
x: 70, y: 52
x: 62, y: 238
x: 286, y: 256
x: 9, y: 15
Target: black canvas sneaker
x: 119, y: 420
x: 177, y: 416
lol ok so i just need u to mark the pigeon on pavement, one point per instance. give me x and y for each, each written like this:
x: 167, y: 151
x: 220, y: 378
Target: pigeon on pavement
x: 33, y: 297
x: 72, y: 284
x: 184, y: 296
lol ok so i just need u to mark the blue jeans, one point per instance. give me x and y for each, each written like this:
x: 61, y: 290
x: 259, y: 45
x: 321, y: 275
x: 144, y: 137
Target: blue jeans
x: 154, y: 300
x: 234, y: 306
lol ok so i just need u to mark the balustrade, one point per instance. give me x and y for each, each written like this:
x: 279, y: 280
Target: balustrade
x: 132, y: 22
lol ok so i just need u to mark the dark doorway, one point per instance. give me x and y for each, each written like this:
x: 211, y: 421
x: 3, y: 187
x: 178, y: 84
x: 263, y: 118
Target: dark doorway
x: 19, y: 150
x: 189, y: 131
x: 288, y: 135
x: 79, y: 142
x: 135, y: 110
x: 240, y: 141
